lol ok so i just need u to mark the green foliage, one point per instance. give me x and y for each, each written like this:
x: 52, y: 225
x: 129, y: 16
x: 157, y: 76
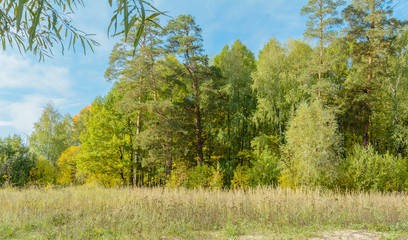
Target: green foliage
x: 284, y: 118
x: 16, y: 161
x: 322, y: 18
x: 312, y: 153
x: 78, y: 124
x: 150, y: 87
x: 44, y: 173
x: 278, y: 82
x: 365, y: 170
x: 184, y: 39
x: 391, y: 127
x: 265, y: 169
x: 233, y: 110
x: 36, y: 25
x: 106, y: 154
x: 52, y: 134
x: 199, y: 176
x: 321, y: 27
x: 370, y: 31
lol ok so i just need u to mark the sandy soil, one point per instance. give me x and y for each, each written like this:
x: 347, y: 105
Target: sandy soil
x: 349, y: 234
x: 334, y: 235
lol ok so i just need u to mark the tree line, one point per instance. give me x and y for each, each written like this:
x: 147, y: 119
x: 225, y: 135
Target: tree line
x: 329, y: 111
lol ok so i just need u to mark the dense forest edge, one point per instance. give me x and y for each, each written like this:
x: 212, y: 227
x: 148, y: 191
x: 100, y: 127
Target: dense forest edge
x: 328, y: 112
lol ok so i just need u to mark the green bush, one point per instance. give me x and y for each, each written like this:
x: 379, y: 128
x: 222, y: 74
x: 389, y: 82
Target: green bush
x: 16, y: 161
x: 365, y: 169
x: 312, y: 153
x: 201, y: 176
x: 265, y: 163
x: 44, y: 173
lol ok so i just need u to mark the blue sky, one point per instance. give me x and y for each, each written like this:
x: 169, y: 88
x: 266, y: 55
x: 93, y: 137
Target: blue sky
x: 72, y: 81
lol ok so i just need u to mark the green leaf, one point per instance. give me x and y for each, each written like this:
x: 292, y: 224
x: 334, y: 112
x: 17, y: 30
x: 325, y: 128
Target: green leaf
x: 138, y: 36
x: 126, y: 18
x: 133, y: 20
x: 83, y: 45
x: 20, y: 8
x: 113, y: 19
x: 54, y: 18
x: 141, y: 27
x: 35, y: 24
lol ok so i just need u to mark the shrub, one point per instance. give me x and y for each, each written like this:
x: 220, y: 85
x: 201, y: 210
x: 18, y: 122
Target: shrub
x: 217, y: 178
x: 313, y: 146
x: 44, y: 173
x: 265, y: 164
x: 199, y: 176
x: 177, y: 177
x: 16, y: 161
x: 240, y: 179
x: 365, y: 169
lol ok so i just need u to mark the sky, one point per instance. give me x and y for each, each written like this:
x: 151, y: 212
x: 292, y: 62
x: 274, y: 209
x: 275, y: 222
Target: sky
x: 73, y: 80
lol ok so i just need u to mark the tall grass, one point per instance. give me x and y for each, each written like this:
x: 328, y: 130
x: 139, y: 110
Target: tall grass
x: 99, y: 213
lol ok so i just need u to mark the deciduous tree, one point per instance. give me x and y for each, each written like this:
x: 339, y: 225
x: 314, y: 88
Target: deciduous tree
x: 52, y: 134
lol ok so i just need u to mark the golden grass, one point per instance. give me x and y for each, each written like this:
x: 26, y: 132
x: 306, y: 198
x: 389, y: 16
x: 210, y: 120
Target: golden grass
x: 99, y: 213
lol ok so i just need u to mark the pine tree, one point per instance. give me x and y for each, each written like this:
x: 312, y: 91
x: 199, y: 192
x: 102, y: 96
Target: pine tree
x: 370, y: 31
x: 321, y: 26
x: 184, y: 39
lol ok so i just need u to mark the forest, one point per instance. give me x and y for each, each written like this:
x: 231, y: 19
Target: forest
x: 328, y: 111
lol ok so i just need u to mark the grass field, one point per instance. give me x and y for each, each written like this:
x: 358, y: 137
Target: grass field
x: 263, y: 213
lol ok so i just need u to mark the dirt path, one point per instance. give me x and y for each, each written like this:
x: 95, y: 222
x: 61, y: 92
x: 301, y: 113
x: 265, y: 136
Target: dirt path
x: 334, y: 235
x: 349, y: 234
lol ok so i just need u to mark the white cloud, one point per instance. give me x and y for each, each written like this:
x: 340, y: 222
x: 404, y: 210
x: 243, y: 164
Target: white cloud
x: 17, y: 73
x: 27, y: 86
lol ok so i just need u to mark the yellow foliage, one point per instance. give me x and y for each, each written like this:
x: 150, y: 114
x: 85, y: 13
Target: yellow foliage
x: 240, y: 180
x: 178, y: 176
x: 67, y: 166
x: 285, y: 180
x: 217, y: 181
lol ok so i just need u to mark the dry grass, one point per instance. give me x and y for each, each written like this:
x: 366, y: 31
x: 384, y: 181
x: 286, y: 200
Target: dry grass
x: 264, y: 213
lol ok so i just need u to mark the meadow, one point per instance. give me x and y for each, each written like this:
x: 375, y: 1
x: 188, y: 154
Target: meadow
x: 164, y: 213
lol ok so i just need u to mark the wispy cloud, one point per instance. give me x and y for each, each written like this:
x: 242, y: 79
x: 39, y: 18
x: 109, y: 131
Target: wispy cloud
x: 27, y: 86
x: 19, y: 73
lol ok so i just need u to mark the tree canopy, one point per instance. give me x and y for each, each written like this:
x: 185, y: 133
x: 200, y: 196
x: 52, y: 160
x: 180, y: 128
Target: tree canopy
x: 330, y: 111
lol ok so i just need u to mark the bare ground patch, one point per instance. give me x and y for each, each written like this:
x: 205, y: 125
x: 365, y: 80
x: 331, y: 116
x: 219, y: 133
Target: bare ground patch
x: 329, y: 235
x: 349, y: 234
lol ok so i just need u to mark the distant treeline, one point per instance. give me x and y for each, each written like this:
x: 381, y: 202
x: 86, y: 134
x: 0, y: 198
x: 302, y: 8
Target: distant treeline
x: 330, y: 111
